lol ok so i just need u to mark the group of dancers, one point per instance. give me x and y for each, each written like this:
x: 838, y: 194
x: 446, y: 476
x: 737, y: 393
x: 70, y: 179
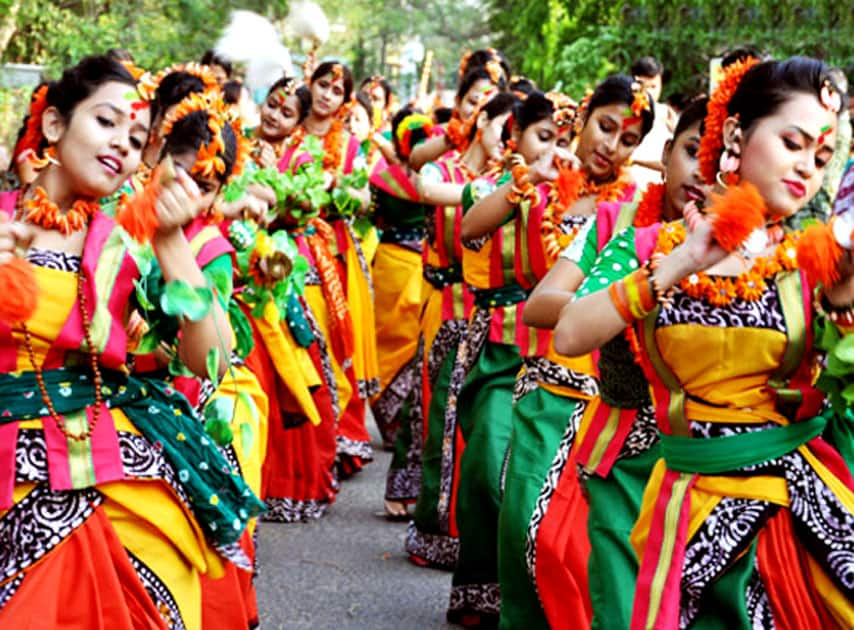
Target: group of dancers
x: 613, y: 400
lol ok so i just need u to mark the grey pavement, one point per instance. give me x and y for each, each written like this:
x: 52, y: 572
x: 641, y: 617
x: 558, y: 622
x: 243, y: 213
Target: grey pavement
x: 348, y: 570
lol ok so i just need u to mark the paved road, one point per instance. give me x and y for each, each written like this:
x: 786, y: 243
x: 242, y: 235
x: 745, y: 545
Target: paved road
x: 347, y: 570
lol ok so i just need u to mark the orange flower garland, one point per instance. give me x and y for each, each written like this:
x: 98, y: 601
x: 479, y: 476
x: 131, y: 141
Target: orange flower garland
x: 43, y: 212
x: 456, y: 132
x: 333, y: 141
x: 569, y: 187
x: 711, y: 144
x: 650, y: 208
x: 720, y: 291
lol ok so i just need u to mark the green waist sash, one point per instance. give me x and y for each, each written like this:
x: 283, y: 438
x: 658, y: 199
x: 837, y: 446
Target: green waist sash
x: 721, y: 455
x: 219, y: 497
x: 441, y: 277
x: 501, y: 296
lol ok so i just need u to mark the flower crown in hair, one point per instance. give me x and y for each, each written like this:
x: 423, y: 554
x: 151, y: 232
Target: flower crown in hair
x: 407, y: 127
x: 640, y: 104
x: 564, y: 108
x: 209, y: 160
x: 337, y: 71
x: 831, y: 100
x: 712, y: 143
x: 148, y: 83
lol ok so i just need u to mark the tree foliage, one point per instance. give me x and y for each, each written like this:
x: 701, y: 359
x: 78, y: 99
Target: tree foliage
x: 576, y: 43
x: 158, y: 32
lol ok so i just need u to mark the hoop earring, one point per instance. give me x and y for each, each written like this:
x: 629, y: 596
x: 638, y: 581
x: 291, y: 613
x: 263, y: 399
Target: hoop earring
x: 50, y: 156
x: 728, y: 166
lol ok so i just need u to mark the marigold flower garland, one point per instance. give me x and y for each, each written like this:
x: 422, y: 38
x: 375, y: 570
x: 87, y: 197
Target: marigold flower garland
x: 333, y: 141
x: 570, y: 186
x: 44, y: 213
x: 720, y: 291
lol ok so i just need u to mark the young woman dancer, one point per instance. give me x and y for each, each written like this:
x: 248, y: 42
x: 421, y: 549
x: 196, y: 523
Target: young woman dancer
x: 747, y: 512
x: 138, y: 506
x: 481, y: 383
x: 550, y: 386
x: 397, y: 269
x: 432, y: 538
x: 331, y: 88
x: 556, y: 537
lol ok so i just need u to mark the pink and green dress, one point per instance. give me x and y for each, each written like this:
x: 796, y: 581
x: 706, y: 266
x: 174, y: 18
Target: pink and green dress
x: 432, y: 537
x: 139, y: 511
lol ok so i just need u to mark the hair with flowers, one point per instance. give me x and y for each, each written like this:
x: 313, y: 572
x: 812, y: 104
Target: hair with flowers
x: 491, y: 60
x: 712, y: 142
x: 76, y: 84
x: 564, y: 108
x: 149, y: 84
x: 619, y: 89
x: 752, y: 90
x: 410, y: 127
x: 641, y: 103
x: 201, y: 122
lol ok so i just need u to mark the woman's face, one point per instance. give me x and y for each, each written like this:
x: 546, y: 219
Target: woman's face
x: 359, y: 122
x: 100, y: 146
x: 208, y: 186
x: 682, y: 180
x: 377, y: 95
x: 605, y: 142
x: 538, y: 139
x: 480, y: 91
x: 784, y: 155
x: 490, y: 139
x: 279, y: 115
x: 327, y: 95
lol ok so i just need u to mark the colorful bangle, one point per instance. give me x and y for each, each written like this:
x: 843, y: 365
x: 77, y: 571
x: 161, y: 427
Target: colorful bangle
x: 618, y: 298
x: 641, y: 300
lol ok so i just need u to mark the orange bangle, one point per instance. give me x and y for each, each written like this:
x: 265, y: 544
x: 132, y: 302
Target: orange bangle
x: 638, y: 292
x: 616, y: 292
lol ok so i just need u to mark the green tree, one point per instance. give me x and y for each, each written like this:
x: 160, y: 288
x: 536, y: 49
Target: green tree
x: 575, y: 44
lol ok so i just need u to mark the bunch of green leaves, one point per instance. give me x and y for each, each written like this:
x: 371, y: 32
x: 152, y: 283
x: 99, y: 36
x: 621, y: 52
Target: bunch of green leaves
x: 221, y: 411
x: 837, y: 377
x: 345, y: 204
x: 255, y: 294
x: 299, y: 196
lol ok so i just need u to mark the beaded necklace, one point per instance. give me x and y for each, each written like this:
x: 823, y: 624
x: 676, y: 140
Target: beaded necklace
x: 93, y: 355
